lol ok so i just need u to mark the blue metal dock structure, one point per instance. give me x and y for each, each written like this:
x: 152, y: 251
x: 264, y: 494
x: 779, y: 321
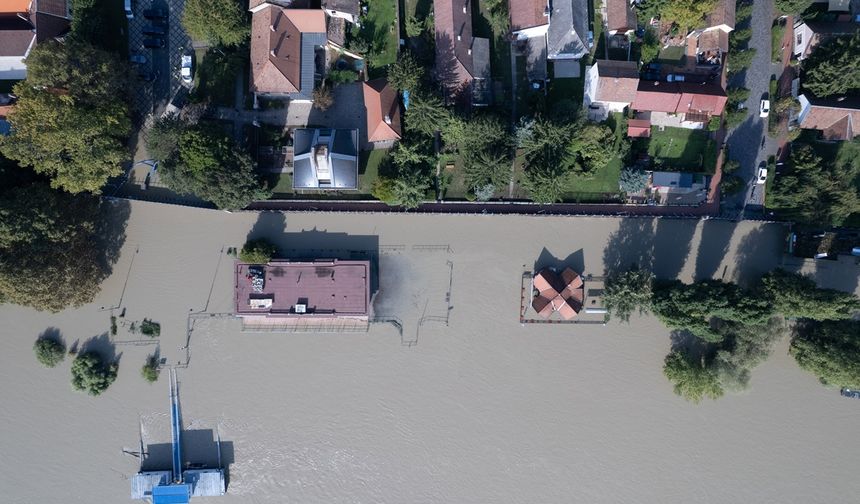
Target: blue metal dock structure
x: 177, y: 486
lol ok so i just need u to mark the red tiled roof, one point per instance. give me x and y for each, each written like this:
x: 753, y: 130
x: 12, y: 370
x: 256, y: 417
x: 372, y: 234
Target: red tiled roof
x: 453, y: 22
x: 527, y: 14
x: 381, y: 101
x: 723, y: 14
x: 834, y: 123
x: 563, y: 293
x: 617, y: 81
x: 329, y: 288
x: 638, y: 128
x: 620, y: 16
x: 276, y: 43
x: 678, y: 98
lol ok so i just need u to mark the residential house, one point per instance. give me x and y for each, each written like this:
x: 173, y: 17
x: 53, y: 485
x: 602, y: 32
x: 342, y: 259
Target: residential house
x: 382, y: 105
x: 349, y: 10
x: 679, y: 188
x: 610, y: 86
x: 462, y: 61
x: 568, y: 38
x: 529, y: 25
x: 287, y: 51
x: 808, y: 35
x: 712, y: 41
x: 325, y: 159
x: 620, y: 18
x: 836, y: 119
x: 679, y: 104
x: 25, y: 23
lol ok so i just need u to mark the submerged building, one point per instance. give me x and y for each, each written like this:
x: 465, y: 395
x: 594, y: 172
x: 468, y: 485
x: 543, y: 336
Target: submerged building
x: 177, y: 486
x: 316, y: 291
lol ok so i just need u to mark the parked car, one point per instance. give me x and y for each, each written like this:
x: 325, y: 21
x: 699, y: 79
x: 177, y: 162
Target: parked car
x: 654, y: 76
x: 764, y: 110
x: 129, y: 13
x: 153, y: 43
x: 155, y: 13
x: 761, y: 175
x: 847, y: 392
x: 138, y: 58
x: 155, y: 29
x: 675, y: 78
x: 185, y: 71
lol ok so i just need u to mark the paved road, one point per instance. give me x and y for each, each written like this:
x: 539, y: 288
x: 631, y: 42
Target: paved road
x: 745, y: 141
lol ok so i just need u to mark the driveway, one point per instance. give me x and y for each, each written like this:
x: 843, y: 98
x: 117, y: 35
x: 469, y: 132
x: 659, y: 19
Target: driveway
x: 749, y: 142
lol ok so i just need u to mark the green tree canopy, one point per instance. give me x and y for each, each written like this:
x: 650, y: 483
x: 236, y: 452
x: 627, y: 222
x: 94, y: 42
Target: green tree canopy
x: 792, y: 6
x: 544, y: 148
x: 72, y: 116
x: 628, y: 292
x: 49, y: 352
x: 687, y: 14
x: 211, y: 167
x: 744, y: 348
x: 694, y: 307
x: 219, y: 22
x: 816, y: 191
x: 91, y: 375
x: 405, y: 73
x: 590, y: 148
x: 834, y: 67
x: 488, y: 169
x: 259, y: 251
x: 162, y: 139
x: 797, y: 296
x: 426, y: 114
x: 830, y: 350
x: 691, y: 378
x: 52, y: 247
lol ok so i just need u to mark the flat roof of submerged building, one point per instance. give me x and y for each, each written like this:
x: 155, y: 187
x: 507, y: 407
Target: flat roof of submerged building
x: 315, y: 288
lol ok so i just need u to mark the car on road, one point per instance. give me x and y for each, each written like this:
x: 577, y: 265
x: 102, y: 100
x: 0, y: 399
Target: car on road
x: 155, y: 13
x: 847, y: 392
x: 153, y: 43
x: 185, y: 70
x: 764, y: 109
x: 675, y: 78
x: 129, y: 10
x: 138, y: 58
x: 761, y: 174
x: 155, y: 29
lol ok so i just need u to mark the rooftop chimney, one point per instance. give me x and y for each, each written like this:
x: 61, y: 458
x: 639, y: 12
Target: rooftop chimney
x: 272, y: 53
x: 387, y: 119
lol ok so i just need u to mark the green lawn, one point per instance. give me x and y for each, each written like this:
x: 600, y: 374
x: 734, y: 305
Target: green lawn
x: 565, y: 89
x: 603, y: 185
x: 671, y: 55
x: 777, y: 32
x: 683, y: 149
x: 368, y: 168
x: 379, y: 29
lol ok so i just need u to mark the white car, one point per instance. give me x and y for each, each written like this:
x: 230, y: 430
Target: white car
x: 185, y: 71
x: 675, y: 78
x: 764, y: 110
x: 761, y: 176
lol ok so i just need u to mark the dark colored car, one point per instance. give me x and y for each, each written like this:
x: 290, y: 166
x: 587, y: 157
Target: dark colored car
x: 155, y: 13
x: 154, y: 29
x: 651, y: 76
x: 153, y: 43
x: 147, y: 76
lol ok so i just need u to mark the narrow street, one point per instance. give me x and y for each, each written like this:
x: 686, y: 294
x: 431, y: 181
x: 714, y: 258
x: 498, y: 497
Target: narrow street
x: 749, y: 143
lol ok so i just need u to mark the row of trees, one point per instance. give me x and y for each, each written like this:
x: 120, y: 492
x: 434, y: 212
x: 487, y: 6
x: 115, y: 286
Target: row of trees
x: 724, y: 330
x: 685, y: 15
x: 200, y: 159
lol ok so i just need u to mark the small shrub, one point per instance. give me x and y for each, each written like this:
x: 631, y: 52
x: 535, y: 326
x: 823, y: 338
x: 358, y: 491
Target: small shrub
x: 632, y: 180
x: 258, y: 251
x: 150, y: 328
x: 112, y: 325
x: 731, y: 166
x: 91, y: 375
x: 337, y: 76
x: 731, y: 184
x: 150, y: 371
x: 49, y: 352
x: 323, y: 99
